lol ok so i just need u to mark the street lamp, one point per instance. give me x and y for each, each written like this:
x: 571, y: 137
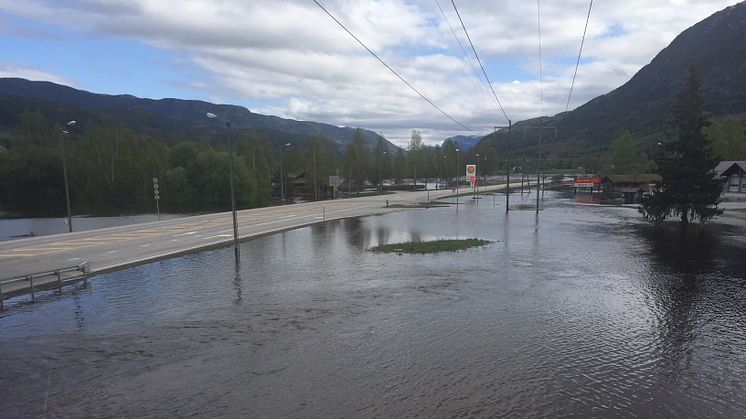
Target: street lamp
x: 458, y: 175
x: 282, y: 176
x: 64, y: 174
x: 233, y: 195
x: 380, y: 173
x: 440, y: 177
x: 507, y: 170
x: 476, y: 178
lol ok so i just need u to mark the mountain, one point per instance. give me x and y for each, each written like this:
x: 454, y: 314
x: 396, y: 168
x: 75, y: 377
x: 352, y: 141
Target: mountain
x: 464, y: 142
x: 714, y: 46
x: 168, y: 118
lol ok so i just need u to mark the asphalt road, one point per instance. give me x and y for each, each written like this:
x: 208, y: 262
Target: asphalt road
x: 116, y: 247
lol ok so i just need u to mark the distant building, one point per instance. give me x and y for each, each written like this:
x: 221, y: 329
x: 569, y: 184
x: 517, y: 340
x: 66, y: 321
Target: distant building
x: 733, y: 174
x: 632, y: 187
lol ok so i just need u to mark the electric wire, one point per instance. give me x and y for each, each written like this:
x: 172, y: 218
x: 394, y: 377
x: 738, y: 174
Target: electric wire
x: 466, y: 55
x: 478, y: 60
x: 580, y: 53
x: 392, y: 70
x: 541, y: 106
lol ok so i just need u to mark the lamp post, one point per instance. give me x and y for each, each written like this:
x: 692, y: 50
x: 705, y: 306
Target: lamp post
x: 507, y: 158
x: 315, y: 188
x: 380, y: 171
x: 230, y: 177
x: 458, y: 175
x: 282, y: 176
x: 64, y: 175
x: 476, y: 177
x: 440, y: 173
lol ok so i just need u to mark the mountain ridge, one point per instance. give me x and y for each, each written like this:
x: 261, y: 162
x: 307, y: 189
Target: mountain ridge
x: 190, y: 114
x: 642, y: 105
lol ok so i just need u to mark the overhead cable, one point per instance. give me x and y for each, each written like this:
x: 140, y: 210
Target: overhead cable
x: 478, y: 60
x: 392, y: 70
x: 466, y: 55
x: 577, y: 64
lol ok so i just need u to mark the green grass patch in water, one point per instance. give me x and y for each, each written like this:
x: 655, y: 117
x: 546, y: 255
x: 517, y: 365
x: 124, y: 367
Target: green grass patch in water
x: 435, y: 246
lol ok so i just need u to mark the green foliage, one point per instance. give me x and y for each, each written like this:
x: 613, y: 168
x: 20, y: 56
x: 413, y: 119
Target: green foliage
x: 624, y: 158
x: 435, y: 246
x: 728, y: 139
x: 689, y: 189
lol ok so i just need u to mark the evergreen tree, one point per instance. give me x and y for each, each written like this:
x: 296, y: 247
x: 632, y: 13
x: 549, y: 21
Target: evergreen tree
x: 689, y: 189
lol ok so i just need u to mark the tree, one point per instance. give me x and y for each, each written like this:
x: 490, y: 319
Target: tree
x: 625, y: 159
x: 686, y: 163
x: 415, y: 152
x: 728, y: 139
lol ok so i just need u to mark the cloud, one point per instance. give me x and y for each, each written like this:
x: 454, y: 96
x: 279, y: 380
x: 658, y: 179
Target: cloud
x: 30, y: 73
x: 292, y: 60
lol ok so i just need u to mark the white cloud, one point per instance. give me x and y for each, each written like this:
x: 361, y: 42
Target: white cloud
x: 290, y: 56
x: 31, y: 73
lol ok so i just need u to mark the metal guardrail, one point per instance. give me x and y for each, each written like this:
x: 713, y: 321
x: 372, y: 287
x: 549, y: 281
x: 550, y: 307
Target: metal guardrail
x: 30, y: 283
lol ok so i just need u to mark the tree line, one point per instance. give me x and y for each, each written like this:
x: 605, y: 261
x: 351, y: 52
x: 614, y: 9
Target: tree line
x: 109, y: 165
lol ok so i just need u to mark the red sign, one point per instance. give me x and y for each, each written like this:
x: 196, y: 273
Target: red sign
x: 593, y: 180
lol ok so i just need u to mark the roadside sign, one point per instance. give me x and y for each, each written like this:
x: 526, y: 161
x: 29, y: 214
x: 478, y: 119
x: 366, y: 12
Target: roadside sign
x: 471, y: 170
x: 156, y: 192
x: 335, y: 181
x: 587, y: 182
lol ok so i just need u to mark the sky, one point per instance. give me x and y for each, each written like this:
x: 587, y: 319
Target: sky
x: 290, y: 59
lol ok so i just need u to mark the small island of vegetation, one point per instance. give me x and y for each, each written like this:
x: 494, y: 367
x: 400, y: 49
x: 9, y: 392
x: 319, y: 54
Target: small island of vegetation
x: 434, y: 246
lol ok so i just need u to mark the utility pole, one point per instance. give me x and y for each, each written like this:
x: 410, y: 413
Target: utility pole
x: 538, y: 171
x: 458, y: 175
x: 507, y: 157
x: 538, y: 162
x: 315, y: 188
x: 507, y: 192
x: 233, y: 194
x: 64, y: 173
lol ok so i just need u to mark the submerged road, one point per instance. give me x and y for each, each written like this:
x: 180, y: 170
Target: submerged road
x: 113, y: 248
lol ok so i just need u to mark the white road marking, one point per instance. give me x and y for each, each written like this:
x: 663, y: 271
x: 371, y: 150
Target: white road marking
x: 74, y: 259
x: 186, y: 234
x: 111, y: 251
x: 145, y: 245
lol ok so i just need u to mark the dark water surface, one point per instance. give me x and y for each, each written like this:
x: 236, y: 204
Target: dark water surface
x: 587, y: 311
x: 21, y: 228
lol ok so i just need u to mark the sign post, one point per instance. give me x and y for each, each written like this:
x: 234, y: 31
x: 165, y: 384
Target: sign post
x: 471, y: 174
x: 157, y: 196
x: 334, y: 182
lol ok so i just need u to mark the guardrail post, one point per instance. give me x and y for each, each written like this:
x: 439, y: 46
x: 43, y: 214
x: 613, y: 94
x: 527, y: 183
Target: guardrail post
x: 59, y: 281
x: 2, y: 307
x: 85, y: 278
x: 31, y: 279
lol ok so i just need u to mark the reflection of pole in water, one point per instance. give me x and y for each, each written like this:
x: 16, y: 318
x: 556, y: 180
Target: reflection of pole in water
x: 237, y: 282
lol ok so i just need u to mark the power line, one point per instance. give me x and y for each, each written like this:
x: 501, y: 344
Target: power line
x: 392, y: 70
x: 541, y: 70
x: 478, y: 60
x: 453, y: 31
x: 577, y: 64
x: 541, y: 106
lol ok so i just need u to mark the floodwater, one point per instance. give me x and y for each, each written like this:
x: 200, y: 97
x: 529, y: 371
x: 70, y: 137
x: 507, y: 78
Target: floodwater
x: 17, y: 228
x: 585, y: 311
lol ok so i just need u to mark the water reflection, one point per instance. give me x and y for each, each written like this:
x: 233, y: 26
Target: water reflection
x: 584, y: 311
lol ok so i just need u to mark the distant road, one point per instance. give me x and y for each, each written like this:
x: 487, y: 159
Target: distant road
x: 113, y: 248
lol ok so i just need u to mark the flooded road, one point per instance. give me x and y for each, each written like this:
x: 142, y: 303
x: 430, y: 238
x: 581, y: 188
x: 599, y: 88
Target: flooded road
x: 21, y: 228
x: 585, y: 311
